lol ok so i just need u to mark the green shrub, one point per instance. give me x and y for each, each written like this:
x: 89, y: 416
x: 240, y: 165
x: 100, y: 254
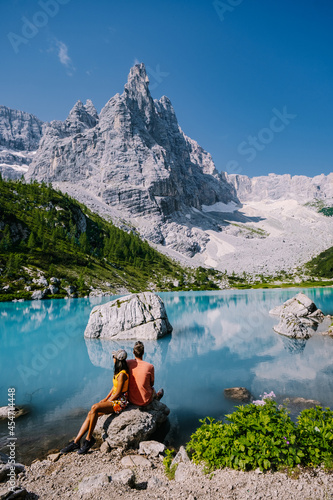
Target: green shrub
x: 315, y: 433
x: 264, y: 436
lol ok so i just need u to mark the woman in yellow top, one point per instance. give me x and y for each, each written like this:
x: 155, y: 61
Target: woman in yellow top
x: 114, y: 402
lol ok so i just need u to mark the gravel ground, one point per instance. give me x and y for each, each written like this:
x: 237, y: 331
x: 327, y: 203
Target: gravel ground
x: 61, y: 479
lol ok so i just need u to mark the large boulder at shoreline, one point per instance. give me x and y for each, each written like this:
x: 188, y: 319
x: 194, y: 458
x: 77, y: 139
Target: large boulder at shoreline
x: 299, y: 317
x: 133, y: 425
x: 133, y: 317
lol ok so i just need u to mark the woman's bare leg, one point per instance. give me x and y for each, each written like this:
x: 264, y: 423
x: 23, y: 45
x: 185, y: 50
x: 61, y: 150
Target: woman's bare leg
x: 91, y: 419
x: 83, y: 430
x: 96, y: 411
x: 92, y: 425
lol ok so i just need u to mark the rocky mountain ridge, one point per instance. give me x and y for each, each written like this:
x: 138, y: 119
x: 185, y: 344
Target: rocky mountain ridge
x: 20, y: 135
x: 133, y: 163
x: 134, y: 157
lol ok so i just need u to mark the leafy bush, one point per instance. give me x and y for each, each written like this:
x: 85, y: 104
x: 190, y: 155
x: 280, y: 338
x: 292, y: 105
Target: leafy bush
x: 264, y: 436
x: 315, y: 432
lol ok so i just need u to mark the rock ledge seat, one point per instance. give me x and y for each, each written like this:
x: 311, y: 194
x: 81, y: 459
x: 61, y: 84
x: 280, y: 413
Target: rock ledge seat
x: 132, y: 425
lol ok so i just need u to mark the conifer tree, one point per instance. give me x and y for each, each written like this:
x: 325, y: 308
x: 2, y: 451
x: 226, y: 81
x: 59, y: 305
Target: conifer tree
x: 84, y: 243
x: 31, y: 241
x: 6, y: 241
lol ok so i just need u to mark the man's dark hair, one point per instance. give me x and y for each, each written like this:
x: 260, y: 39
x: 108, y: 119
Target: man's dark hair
x: 138, y: 349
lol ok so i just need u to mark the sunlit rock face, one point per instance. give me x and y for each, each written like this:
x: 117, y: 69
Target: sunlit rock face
x: 138, y: 317
x: 299, y: 317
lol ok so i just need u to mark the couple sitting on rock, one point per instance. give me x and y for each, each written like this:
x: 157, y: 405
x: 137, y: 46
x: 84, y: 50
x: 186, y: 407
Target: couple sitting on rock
x: 133, y: 382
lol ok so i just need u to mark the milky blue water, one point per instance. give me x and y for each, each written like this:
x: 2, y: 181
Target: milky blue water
x: 220, y: 339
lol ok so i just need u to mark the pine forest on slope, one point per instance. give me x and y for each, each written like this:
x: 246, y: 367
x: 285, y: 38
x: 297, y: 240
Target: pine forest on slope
x: 45, y: 232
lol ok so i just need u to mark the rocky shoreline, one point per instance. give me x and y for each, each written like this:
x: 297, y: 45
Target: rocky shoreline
x: 129, y: 475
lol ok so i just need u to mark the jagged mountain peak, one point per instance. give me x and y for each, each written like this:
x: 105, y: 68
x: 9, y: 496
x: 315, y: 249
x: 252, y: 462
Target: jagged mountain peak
x: 19, y: 130
x: 81, y: 117
x: 89, y: 106
x: 137, y: 81
x: 137, y: 94
x: 135, y: 158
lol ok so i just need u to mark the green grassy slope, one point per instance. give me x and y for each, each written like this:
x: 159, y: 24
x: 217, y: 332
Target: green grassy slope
x: 44, y: 230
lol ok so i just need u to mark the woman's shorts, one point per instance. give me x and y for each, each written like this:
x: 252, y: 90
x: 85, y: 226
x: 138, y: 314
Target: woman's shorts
x: 120, y: 404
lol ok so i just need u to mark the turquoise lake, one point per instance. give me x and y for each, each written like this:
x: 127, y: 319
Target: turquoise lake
x: 220, y: 339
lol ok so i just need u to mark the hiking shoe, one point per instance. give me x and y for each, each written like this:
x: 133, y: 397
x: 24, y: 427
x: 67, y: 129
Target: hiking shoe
x: 160, y: 394
x: 86, y: 446
x: 72, y: 446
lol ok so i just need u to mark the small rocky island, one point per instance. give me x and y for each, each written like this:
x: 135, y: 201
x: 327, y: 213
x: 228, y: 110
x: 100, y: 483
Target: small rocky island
x: 139, y: 316
x: 300, y: 318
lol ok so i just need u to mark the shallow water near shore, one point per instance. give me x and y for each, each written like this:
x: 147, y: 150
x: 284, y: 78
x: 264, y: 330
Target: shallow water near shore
x: 220, y: 339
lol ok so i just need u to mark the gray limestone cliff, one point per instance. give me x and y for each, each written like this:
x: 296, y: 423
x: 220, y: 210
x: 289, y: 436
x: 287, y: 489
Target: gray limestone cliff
x: 133, y: 156
x: 20, y: 135
x: 283, y: 187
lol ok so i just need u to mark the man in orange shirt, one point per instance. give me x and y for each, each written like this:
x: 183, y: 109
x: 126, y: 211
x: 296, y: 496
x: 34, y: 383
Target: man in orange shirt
x: 141, y: 384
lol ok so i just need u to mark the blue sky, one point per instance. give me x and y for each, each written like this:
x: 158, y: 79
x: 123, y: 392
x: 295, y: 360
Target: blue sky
x: 250, y: 80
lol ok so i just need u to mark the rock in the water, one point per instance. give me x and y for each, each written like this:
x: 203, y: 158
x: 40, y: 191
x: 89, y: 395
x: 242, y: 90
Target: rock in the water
x: 238, y: 394
x: 133, y: 425
x: 138, y: 316
x: 295, y: 327
x: 151, y: 448
x: 299, y: 317
x: 19, y: 411
x: 300, y: 403
x: 300, y: 306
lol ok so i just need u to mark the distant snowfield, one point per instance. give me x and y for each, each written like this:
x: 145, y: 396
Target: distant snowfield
x: 17, y: 168
x: 294, y: 233
x: 277, y: 235
x: 220, y: 207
